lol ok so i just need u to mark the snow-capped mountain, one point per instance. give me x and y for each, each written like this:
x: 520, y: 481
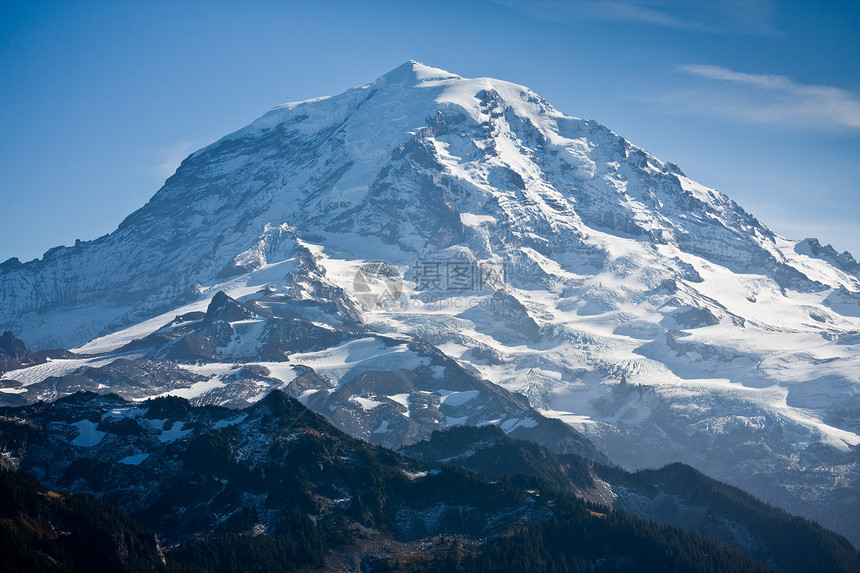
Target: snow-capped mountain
x: 542, y: 252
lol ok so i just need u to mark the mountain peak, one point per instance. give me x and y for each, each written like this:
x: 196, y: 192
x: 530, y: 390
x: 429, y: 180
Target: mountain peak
x: 412, y: 73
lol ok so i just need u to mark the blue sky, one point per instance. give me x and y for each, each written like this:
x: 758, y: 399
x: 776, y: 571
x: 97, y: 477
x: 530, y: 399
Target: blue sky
x: 99, y: 101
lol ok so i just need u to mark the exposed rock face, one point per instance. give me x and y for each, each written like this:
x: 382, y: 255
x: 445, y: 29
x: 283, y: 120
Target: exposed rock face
x: 15, y: 355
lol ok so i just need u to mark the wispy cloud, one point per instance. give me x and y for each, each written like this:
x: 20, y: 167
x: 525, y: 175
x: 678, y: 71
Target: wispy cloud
x: 171, y: 156
x: 724, y: 16
x: 765, y: 99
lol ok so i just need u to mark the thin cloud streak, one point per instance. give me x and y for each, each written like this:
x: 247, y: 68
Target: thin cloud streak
x: 172, y: 156
x: 726, y: 17
x: 766, y: 99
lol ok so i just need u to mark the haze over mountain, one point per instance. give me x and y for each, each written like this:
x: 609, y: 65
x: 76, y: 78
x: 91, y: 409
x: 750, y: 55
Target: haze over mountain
x: 540, y: 252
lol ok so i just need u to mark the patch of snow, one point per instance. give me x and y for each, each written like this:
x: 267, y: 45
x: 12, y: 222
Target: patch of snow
x: 133, y: 460
x: 174, y: 433
x: 13, y: 390
x: 306, y: 395
x: 512, y: 424
x: 195, y: 390
x: 476, y: 220
x: 260, y: 395
x: 365, y: 403
x: 402, y: 399
x: 88, y: 435
x: 282, y: 371
x: 350, y: 359
x: 383, y: 428
x: 58, y: 367
x: 246, y: 336
x: 453, y: 398
x: 157, y: 424
x: 211, y: 369
x: 231, y: 422
x: 124, y: 413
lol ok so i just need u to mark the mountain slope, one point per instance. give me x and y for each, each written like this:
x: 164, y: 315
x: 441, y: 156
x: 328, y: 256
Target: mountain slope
x: 675, y: 494
x: 275, y: 487
x: 544, y: 252
x: 44, y: 530
x: 388, y: 390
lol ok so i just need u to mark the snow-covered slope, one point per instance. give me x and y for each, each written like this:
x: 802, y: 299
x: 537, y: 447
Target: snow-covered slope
x: 543, y: 251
